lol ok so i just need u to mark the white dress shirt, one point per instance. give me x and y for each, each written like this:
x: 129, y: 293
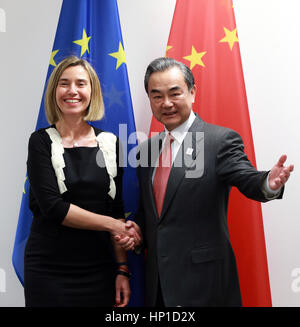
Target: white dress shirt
x: 179, y: 133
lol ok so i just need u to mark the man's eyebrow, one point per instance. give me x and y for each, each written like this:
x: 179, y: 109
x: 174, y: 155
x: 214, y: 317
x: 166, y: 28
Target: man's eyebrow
x: 155, y: 91
x: 174, y: 88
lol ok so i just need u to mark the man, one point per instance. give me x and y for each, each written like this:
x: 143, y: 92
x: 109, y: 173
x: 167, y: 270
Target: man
x: 189, y: 259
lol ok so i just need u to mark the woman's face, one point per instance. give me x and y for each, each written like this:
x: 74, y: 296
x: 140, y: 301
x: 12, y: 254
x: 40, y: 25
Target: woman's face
x: 73, y: 91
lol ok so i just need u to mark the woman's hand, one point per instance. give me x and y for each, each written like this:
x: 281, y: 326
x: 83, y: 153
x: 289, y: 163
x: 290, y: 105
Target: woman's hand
x: 120, y: 230
x: 131, y: 241
x: 122, y: 291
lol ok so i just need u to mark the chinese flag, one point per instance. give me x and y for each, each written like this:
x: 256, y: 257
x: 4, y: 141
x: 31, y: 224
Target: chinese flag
x: 204, y: 37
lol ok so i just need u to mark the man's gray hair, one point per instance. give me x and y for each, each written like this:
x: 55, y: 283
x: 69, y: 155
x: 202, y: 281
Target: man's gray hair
x: 162, y: 64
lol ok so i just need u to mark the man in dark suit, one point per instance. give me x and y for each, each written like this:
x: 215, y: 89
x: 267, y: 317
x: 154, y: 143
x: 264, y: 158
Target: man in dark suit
x: 189, y: 259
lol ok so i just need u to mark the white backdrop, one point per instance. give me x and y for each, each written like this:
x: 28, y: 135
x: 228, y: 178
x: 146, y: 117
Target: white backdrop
x: 269, y: 41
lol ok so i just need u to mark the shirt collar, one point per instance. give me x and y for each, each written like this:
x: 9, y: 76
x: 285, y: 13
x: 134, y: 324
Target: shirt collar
x: 179, y: 132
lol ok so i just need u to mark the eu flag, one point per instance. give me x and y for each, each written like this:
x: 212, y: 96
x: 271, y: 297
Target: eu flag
x: 91, y: 29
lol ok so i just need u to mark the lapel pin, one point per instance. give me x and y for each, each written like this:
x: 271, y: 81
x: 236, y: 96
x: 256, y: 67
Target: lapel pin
x: 189, y: 151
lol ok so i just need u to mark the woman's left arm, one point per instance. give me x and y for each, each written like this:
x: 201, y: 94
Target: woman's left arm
x: 122, y: 277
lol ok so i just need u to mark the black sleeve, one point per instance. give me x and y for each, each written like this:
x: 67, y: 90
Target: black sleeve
x: 42, y: 178
x: 235, y: 169
x: 118, y: 205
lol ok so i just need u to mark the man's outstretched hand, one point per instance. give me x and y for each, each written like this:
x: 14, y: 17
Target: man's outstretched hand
x: 279, y: 174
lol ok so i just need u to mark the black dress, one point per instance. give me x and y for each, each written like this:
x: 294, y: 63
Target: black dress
x: 66, y: 266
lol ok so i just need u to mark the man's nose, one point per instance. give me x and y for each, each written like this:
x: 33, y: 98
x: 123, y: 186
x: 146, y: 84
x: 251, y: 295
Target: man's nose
x: 167, y: 102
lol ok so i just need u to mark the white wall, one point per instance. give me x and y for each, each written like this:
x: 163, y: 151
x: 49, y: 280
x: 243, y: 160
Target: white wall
x: 269, y: 41
x: 25, y: 48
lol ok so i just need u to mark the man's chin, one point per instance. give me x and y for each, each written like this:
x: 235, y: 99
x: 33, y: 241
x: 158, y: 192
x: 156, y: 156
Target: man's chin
x: 171, y: 123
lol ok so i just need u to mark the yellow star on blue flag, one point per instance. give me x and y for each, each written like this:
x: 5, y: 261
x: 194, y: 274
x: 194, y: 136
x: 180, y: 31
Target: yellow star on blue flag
x: 84, y: 43
x: 52, y: 61
x: 119, y: 55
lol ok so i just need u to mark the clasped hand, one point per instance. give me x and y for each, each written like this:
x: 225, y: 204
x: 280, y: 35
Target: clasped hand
x: 131, y: 238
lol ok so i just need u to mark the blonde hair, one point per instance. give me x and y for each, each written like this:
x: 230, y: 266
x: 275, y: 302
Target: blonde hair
x: 95, y: 109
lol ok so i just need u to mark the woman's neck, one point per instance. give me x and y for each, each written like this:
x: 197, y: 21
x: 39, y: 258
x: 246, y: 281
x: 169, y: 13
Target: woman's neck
x: 73, y: 128
x: 76, y: 133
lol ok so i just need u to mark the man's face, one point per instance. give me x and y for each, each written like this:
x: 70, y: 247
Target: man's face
x: 170, y: 100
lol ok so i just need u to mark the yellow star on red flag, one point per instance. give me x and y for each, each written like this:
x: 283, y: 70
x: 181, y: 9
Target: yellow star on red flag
x: 195, y: 58
x: 230, y: 37
x: 168, y: 48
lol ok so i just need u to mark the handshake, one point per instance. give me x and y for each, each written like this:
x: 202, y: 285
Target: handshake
x: 130, y: 238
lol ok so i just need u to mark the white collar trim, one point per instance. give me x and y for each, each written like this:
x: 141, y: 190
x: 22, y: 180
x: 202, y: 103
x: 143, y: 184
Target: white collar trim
x: 57, y: 158
x: 107, y: 144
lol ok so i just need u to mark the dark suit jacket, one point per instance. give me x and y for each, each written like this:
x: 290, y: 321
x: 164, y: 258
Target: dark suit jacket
x: 189, y: 248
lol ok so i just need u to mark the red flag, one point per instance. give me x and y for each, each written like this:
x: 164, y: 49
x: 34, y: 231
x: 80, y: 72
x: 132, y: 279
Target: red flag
x: 203, y: 36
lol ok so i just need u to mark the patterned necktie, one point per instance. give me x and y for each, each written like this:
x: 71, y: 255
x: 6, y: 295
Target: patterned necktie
x: 162, y: 173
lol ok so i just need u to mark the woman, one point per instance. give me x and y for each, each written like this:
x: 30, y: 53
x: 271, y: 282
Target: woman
x: 69, y: 258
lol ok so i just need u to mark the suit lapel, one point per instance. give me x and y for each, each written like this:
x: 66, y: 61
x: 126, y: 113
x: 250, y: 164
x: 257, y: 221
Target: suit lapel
x: 191, y: 148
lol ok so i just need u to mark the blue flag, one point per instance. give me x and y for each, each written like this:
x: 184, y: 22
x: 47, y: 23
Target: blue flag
x: 91, y: 29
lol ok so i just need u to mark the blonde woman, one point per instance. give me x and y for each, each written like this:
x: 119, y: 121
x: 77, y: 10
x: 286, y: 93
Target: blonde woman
x: 70, y: 258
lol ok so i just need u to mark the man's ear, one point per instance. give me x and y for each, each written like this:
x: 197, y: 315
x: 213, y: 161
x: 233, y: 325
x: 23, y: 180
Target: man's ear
x: 193, y: 92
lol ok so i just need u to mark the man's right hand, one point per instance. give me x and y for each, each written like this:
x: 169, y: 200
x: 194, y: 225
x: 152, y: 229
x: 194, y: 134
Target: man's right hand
x: 129, y: 243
